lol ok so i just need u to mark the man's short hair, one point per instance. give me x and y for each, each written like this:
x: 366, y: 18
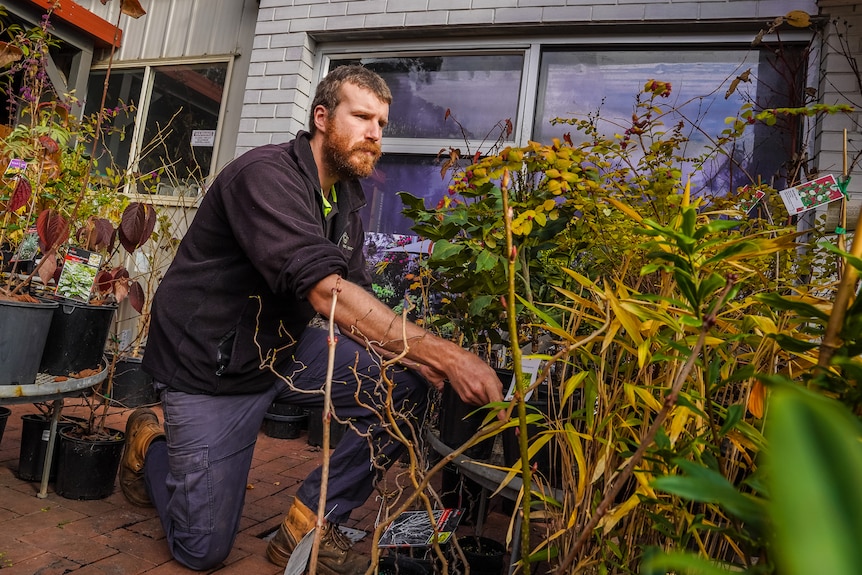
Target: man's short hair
x: 328, y: 93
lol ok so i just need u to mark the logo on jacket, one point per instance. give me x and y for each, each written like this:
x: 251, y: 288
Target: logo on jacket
x: 344, y: 242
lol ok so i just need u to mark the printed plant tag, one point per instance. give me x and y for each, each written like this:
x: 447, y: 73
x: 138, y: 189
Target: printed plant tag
x: 811, y: 194
x: 414, y: 528
x: 16, y: 166
x: 529, y: 369
x: 745, y: 205
x: 80, y: 268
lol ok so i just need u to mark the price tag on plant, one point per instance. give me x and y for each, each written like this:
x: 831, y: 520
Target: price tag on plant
x: 810, y: 195
x: 80, y: 268
x: 16, y: 166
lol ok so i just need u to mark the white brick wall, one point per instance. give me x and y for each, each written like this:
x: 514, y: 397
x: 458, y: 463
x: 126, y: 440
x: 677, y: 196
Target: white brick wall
x: 840, y: 86
x: 270, y: 107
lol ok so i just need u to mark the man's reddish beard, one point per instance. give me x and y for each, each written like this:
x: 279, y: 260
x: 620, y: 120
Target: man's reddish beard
x: 346, y: 161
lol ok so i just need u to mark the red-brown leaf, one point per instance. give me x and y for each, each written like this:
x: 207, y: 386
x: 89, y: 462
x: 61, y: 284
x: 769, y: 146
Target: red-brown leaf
x: 120, y: 273
x: 96, y: 233
x: 53, y: 230
x: 104, y: 282
x: 121, y: 289
x: 132, y: 8
x: 48, y: 267
x: 9, y: 54
x: 49, y: 144
x: 21, y: 194
x: 137, y: 297
x: 136, y: 225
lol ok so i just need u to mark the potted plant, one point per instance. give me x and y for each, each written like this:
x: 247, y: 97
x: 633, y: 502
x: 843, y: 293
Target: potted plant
x: 51, y: 189
x: 660, y: 308
x: 28, y: 154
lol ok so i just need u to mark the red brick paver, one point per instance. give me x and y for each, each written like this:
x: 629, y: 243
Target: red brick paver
x: 110, y: 536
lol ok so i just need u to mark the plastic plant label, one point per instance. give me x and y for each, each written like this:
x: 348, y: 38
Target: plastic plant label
x: 80, y: 268
x: 529, y: 369
x: 810, y: 195
x: 16, y: 166
x: 415, y: 529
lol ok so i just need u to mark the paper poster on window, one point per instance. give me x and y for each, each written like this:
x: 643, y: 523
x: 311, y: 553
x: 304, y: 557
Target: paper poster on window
x: 529, y: 369
x: 811, y: 194
x: 203, y: 138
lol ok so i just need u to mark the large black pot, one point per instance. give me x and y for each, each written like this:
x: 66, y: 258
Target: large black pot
x: 484, y: 556
x: 315, y: 429
x: 457, y: 424
x: 131, y: 386
x: 35, y: 433
x: 87, y: 468
x: 400, y: 565
x: 284, y: 421
x: 24, y: 328
x: 77, y: 337
x: 5, y: 412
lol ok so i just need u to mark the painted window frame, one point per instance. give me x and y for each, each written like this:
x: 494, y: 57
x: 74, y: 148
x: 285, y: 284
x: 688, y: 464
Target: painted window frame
x: 140, y: 116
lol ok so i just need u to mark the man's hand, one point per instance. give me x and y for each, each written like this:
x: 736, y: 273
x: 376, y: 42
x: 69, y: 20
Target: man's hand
x: 474, y: 380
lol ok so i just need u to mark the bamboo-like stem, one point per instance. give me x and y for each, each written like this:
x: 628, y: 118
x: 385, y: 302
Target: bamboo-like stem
x: 842, y: 213
x: 649, y: 438
x: 523, y: 439
x: 846, y: 290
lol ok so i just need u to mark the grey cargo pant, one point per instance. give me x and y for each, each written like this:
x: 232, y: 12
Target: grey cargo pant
x: 197, y: 478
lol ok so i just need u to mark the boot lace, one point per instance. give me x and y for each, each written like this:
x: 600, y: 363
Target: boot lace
x: 337, y: 537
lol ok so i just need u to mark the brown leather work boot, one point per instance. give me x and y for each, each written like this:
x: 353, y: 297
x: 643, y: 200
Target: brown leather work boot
x: 142, y: 428
x: 334, y: 556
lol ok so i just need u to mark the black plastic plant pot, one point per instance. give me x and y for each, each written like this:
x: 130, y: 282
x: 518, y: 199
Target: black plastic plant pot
x: 484, y: 556
x: 77, y: 337
x: 131, y: 386
x: 457, y: 424
x: 87, y: 468
x: 35, y: 433
x: 5, y: 412
x: 400, y: 565
x: 315, y: 429
x: 24, y: 328
x: 284, y: 421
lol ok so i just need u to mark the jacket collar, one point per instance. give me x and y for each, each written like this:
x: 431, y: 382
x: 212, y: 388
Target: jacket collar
x: 351, y: 196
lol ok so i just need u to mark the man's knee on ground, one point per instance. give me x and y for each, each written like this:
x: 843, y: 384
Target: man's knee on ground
x: 200, y: 551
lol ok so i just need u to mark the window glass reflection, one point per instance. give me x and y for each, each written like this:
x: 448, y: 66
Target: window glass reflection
x: 179, y: 127
x: 181, y: 124
x: 479, y: 90
x: 575, y: 84
x: 123, y: 93
x: 418, y: 175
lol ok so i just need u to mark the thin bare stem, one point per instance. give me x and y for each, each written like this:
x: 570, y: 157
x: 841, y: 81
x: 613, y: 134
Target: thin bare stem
x: 332, y: 340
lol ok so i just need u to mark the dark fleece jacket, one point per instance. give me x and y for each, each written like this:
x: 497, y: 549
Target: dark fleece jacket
x: 234, y: 298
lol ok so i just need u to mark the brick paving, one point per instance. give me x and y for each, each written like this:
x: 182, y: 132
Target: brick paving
x: 55, y: 535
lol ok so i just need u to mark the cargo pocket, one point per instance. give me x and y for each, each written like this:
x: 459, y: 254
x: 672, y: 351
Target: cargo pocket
x: 192, y: 499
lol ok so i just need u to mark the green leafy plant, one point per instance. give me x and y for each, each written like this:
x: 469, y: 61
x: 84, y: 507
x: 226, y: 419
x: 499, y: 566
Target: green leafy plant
x: 49, y: 182
x: 663, y: 320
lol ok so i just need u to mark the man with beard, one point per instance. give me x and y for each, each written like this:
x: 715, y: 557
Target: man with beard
x: 276, y: 240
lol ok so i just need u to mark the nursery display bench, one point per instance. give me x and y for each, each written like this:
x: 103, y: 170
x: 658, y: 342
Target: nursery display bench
x: 45, y: 389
